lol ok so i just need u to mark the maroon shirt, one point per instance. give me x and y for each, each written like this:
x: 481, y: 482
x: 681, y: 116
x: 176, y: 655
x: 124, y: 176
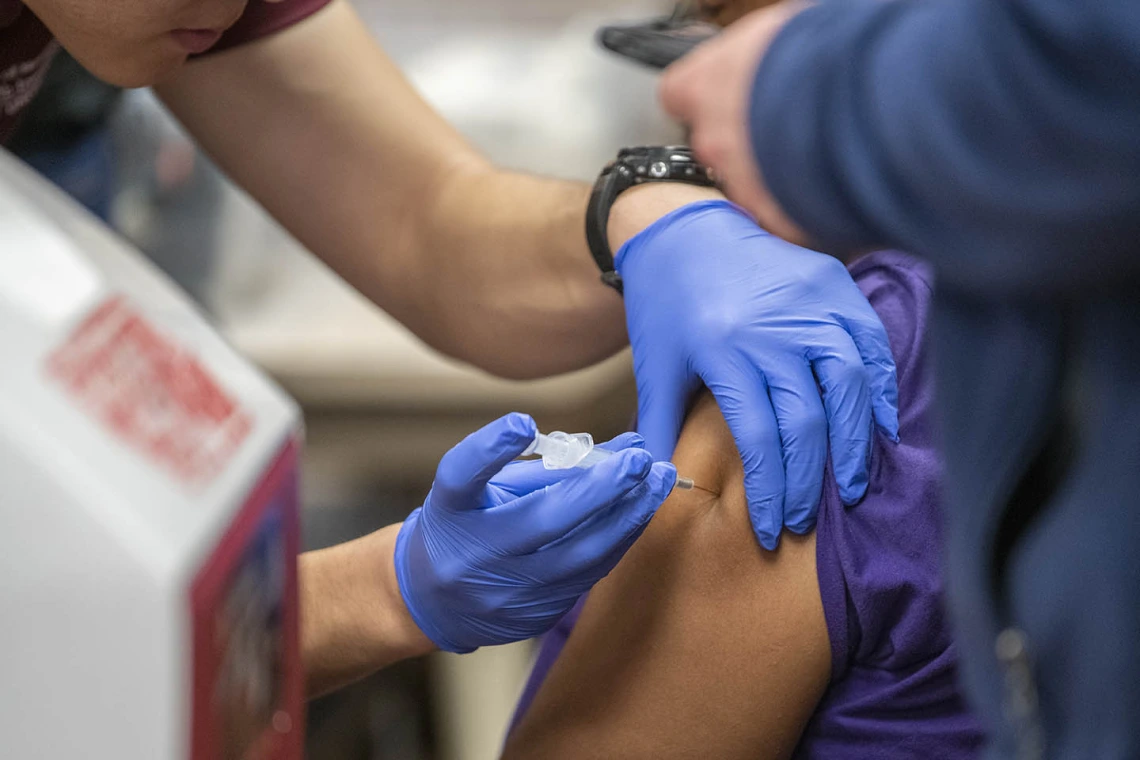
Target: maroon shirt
x: 27, y: 47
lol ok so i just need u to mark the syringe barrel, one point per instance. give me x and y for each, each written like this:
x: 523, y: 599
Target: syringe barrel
x: 561, y: 451
x: 596, y: 455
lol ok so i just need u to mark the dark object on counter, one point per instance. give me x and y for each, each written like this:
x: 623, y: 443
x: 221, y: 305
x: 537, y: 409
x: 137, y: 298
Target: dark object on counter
x: 660, y: 42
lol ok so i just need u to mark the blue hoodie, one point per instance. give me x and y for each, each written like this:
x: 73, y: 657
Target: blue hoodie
x: 1000, y: 140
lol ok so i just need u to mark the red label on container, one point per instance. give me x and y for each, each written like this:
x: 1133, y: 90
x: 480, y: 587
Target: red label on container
x: 150, y: 392
x: 248, y: 687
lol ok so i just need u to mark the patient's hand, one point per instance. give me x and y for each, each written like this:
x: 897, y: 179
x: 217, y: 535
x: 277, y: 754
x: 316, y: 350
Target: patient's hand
x: 700, y: 643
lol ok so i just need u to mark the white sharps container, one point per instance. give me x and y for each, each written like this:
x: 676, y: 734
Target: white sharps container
x: 148, y: 509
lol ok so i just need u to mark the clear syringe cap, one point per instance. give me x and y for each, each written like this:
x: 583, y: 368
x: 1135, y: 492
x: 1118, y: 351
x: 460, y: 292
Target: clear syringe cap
x: 561, y: 451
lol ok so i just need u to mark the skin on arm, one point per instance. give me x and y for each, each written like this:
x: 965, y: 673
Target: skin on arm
x: 353, y: 618
x: 699, y: 643
x: 320, y: 126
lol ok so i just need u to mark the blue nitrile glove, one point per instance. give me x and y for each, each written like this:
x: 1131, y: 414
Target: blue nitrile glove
x: 713, y: 298
x: 500, y: 551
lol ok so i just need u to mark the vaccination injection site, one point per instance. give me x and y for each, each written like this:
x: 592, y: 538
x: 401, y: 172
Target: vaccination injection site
x: 569, y: 379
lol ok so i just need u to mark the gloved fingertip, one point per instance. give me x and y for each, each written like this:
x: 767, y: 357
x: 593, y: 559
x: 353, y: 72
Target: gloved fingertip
x: 801, y: 510
x: 522, y: 426
x: 801, y: 528
x: 887, y: 419
x: 853, y: 491
x: 665, y: 476
x: 851, y: 472
x: 662, y: 476
x: 639, y: 463
x: 851, y: 461
x: 767, y: 516
x: 624, y: 441
x: 768, y: 541
x: 892, y: 433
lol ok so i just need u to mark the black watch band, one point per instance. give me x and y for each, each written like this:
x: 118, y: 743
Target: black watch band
x: 635, y: 166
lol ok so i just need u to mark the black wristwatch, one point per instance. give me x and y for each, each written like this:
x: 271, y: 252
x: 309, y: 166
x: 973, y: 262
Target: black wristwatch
x: 635, y: 166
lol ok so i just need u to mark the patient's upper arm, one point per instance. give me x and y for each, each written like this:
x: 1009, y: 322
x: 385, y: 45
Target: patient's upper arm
x: 700, y: 643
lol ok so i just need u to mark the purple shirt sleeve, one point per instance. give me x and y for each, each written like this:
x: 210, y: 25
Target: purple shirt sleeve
x: 997, y: 138
x: 879, y: 568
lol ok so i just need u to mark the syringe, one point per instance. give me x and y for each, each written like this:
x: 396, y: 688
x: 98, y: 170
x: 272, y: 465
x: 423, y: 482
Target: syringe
x: 561, y: 451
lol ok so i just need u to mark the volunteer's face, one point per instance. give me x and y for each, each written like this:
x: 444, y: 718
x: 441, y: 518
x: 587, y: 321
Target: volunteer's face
x: 133, y: 43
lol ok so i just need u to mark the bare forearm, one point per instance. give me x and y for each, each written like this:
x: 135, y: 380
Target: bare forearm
x: 353, y: 619
x: 486, y: 265
x: 526, y: 271
x: 505, y: 265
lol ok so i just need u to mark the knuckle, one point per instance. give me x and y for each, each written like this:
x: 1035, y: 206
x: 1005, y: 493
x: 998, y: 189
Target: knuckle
x: 830, y: 267
x: 821, y: 271
x: 722, y: 326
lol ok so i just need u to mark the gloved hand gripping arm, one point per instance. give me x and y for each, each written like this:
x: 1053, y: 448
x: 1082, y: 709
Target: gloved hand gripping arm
x: 713, y: 299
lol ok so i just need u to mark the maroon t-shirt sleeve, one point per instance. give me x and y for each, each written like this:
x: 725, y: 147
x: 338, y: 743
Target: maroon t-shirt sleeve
x: 263, y: 18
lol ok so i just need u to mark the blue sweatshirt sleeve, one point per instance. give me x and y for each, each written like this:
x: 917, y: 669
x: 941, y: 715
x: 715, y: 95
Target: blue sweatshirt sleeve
x: 1000, y: 139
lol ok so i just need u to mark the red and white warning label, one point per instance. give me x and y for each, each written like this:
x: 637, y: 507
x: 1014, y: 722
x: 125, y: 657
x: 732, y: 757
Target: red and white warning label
x: 150, y: 392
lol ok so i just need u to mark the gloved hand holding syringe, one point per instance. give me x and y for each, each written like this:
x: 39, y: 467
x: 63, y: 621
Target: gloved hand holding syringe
x: 561, y: 451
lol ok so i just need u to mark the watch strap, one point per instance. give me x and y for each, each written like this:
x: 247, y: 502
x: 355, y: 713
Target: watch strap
x: 632, y: 167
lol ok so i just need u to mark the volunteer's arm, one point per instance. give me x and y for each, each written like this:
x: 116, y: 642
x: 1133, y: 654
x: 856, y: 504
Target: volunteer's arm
x: 353, y: 620
x: 699, y: 643
x: 996, y: 138
x: 486, y: 265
